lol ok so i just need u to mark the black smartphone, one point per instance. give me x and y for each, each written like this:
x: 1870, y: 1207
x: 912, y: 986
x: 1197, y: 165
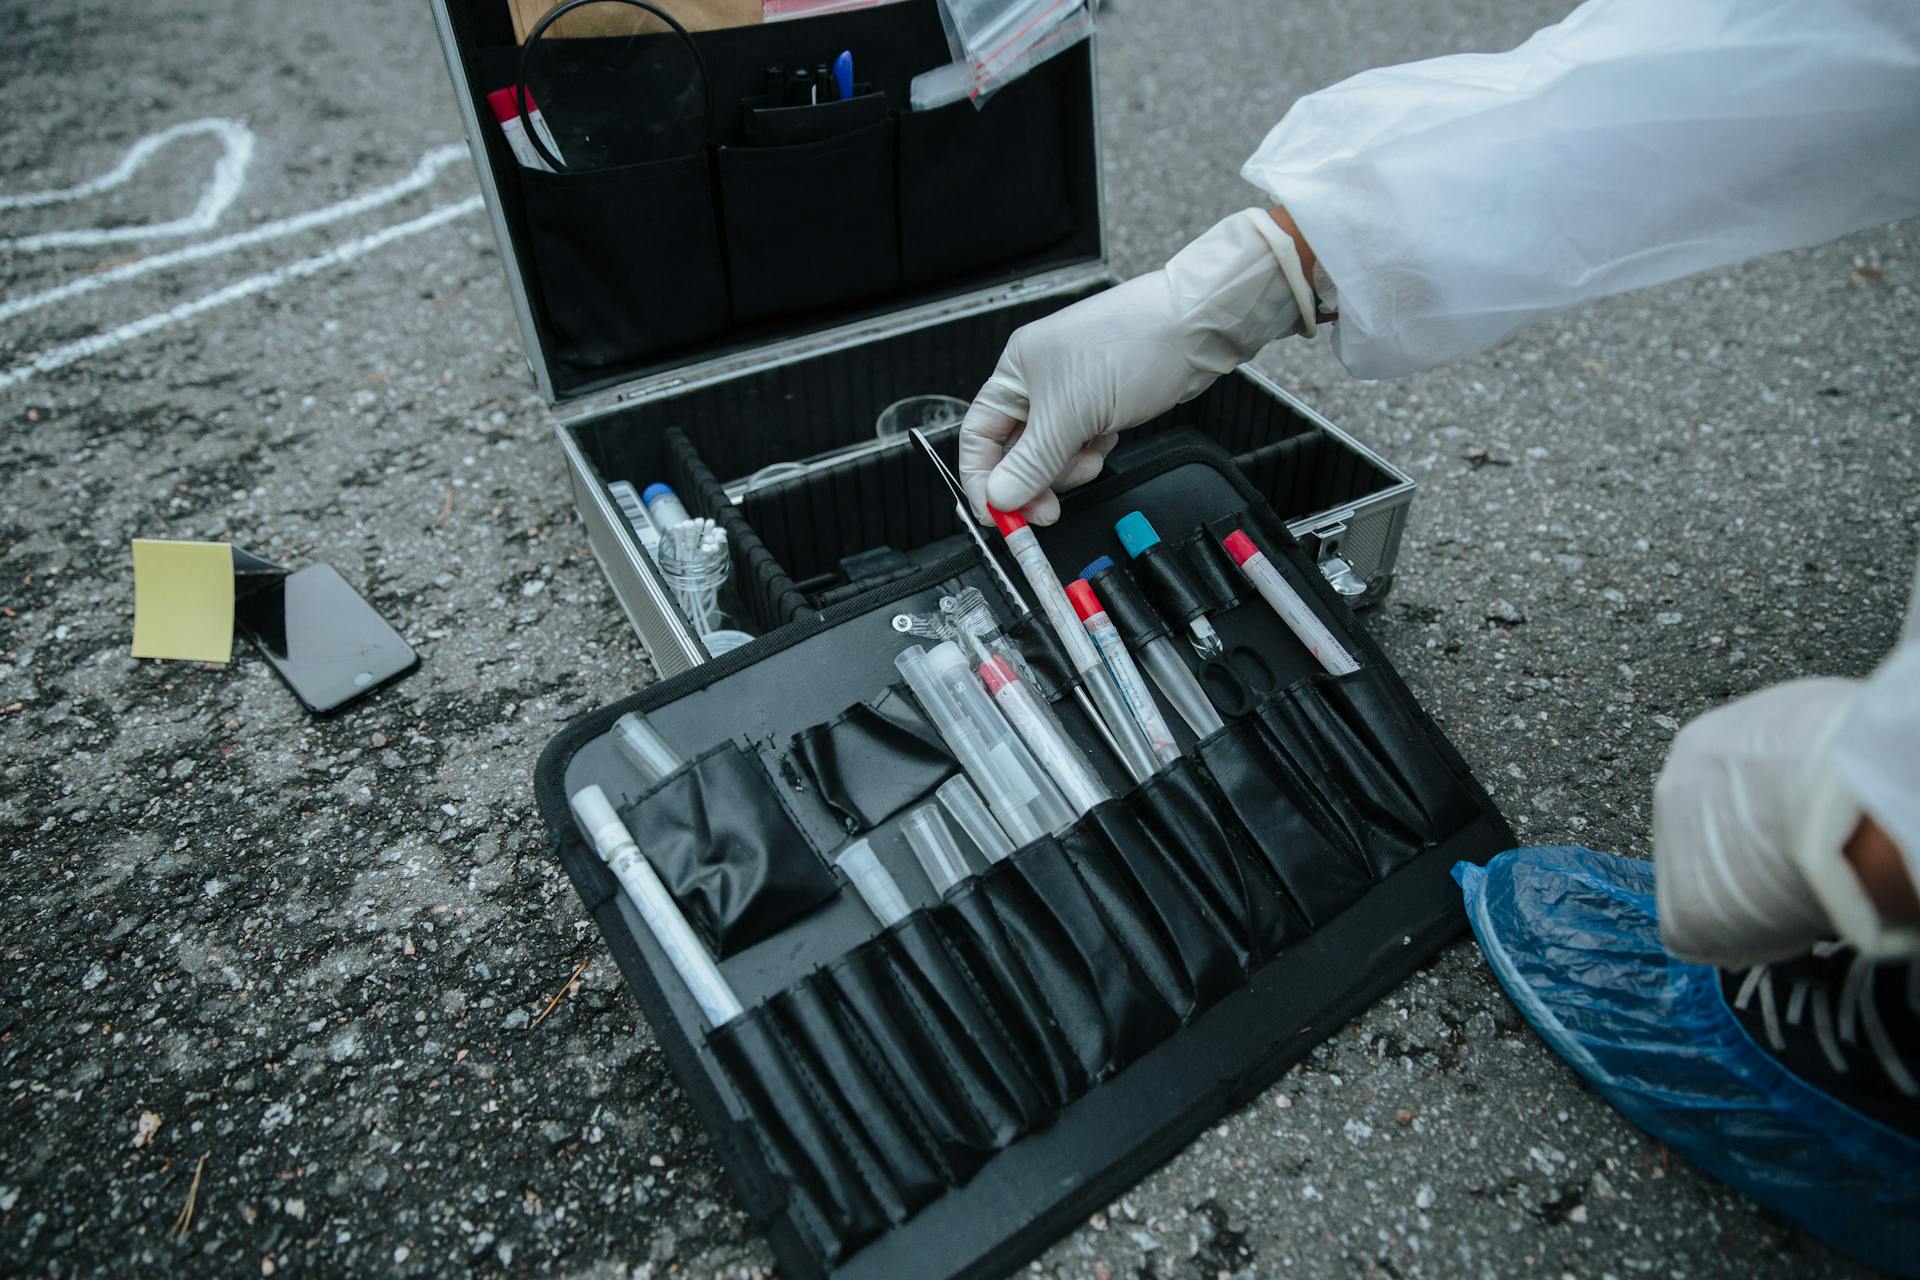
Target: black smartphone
x: 326, y: 642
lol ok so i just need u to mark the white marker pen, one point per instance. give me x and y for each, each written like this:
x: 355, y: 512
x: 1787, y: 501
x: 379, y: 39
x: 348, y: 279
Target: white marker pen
x: 688, y: 955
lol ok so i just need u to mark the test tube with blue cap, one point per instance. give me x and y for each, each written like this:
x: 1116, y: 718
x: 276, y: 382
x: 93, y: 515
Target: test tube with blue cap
x: 1140, y: 538
x: 664, y: 507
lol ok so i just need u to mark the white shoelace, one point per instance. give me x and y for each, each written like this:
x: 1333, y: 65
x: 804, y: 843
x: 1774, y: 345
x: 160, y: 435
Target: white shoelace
x: 1834, y: 1027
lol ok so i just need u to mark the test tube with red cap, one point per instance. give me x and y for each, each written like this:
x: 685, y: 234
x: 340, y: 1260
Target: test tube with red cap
x: 1043, y: 735
x: 1301, y: 620
x: 1133, y: 686
x: 1134, y: 750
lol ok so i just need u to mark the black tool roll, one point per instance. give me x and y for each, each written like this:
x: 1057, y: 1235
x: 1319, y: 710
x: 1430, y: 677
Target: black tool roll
x: 943, y: 1096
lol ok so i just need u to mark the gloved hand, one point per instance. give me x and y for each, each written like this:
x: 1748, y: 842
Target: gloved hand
x: 1749, y: 827
x: 1068, y: 384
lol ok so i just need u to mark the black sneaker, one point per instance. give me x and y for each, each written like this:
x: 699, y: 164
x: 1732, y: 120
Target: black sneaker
x: 1844, y: 1024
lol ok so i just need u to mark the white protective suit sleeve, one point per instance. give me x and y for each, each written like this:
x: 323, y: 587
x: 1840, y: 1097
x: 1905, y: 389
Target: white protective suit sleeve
x: 1453, y: 201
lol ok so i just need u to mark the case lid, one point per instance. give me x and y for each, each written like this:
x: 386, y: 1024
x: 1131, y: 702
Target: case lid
x: 672, y: 250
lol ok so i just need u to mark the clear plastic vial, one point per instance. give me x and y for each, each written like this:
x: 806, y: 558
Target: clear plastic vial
x: 696, y: 564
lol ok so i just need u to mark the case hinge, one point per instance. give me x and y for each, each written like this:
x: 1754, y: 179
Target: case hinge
x: 1324, y: 541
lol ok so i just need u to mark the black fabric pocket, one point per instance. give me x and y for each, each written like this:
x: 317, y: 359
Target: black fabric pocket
x: 874, y: 760
x: 1217, y: 576
x: 805, y: 1140
x: 1173, y: 585
x: 628, y: 259
x: 728, y: 851
x: 1108, y: 1003
x: 1309, y: 843
x: 928, y: 1020
x: 874, y: 1084
x: 791, y: 126
x: 1182, y: 809
x: 810, y: 227
x: 1390, y: 778
x: 1366, y: 706
x: 1024, y: 988
x: 885, y: 1130
x: 1046, y: 661
x: 1189, y: 959
x: 983, y: 187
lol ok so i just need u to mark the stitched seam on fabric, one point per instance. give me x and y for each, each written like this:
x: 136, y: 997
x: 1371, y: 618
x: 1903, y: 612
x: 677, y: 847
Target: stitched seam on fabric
x: 1329, y: 714
x: 1315, y: 807
x: 1142, y: 970
x: 911, y: 999
x: 815, y: 1222
x: 1183, y: 876
x: 804, y: 1072
x: 1341, y: 708
x: 972, y: 980
x: 773, y: 784
x: 1243, y: 850
x: 848, y: 1024
x: 1039, y: 991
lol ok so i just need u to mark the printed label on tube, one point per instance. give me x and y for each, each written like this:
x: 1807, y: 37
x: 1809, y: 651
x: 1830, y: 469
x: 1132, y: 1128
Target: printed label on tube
x: 1285, y: 601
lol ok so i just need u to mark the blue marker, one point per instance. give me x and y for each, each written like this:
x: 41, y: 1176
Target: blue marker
x: 1139, y: 537
x: 843, y: 74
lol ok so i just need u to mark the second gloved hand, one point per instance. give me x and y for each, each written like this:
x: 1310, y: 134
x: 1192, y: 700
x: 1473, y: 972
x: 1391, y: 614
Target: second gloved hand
x: 1067, y: 385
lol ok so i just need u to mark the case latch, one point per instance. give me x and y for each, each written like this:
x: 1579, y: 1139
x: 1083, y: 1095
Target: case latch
x: 1324, y: 541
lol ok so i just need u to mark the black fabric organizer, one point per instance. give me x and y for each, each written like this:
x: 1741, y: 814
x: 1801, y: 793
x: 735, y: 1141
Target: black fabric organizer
x: 672, y: 236
x: 942, y: 1097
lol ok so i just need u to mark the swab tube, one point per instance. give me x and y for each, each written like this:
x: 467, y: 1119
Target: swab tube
x: 1022, y: 797
x: 875, y: 884
x: 1043, y: 736
x: 964, y: 805
x: 1142, y: 627
x: 644, y: 748
x: 1135, y: 752
x: 1133, y: 686
x: 935, y: 848
x: 1301, y: 620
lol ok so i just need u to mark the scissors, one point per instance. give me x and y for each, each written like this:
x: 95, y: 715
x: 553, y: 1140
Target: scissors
x: 1237, y: 680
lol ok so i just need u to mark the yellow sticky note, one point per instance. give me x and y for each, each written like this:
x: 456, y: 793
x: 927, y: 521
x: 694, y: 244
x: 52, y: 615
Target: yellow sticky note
x: 182, y: 600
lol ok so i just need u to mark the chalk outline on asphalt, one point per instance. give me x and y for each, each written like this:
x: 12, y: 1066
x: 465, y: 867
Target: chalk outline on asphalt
x: 72, y: 352
x: 229, y: 175
x: 423, y: 174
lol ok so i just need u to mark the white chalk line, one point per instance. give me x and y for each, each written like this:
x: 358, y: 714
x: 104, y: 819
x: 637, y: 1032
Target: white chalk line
x: 422, y: 175
x: 229, y: 174
x: 73, y: 352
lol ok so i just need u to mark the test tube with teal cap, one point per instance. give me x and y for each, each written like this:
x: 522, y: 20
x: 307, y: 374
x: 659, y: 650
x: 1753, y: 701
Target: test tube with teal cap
x: 1142, y: 543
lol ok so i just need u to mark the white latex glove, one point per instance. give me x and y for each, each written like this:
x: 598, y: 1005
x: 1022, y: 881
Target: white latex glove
x: 1750, y: 824
x: 1067, y: 385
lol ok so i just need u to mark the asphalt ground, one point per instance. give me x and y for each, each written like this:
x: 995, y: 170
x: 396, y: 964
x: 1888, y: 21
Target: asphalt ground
x: 317, y: 953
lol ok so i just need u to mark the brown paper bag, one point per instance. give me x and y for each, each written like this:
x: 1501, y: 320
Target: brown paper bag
x: 625, y: 20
